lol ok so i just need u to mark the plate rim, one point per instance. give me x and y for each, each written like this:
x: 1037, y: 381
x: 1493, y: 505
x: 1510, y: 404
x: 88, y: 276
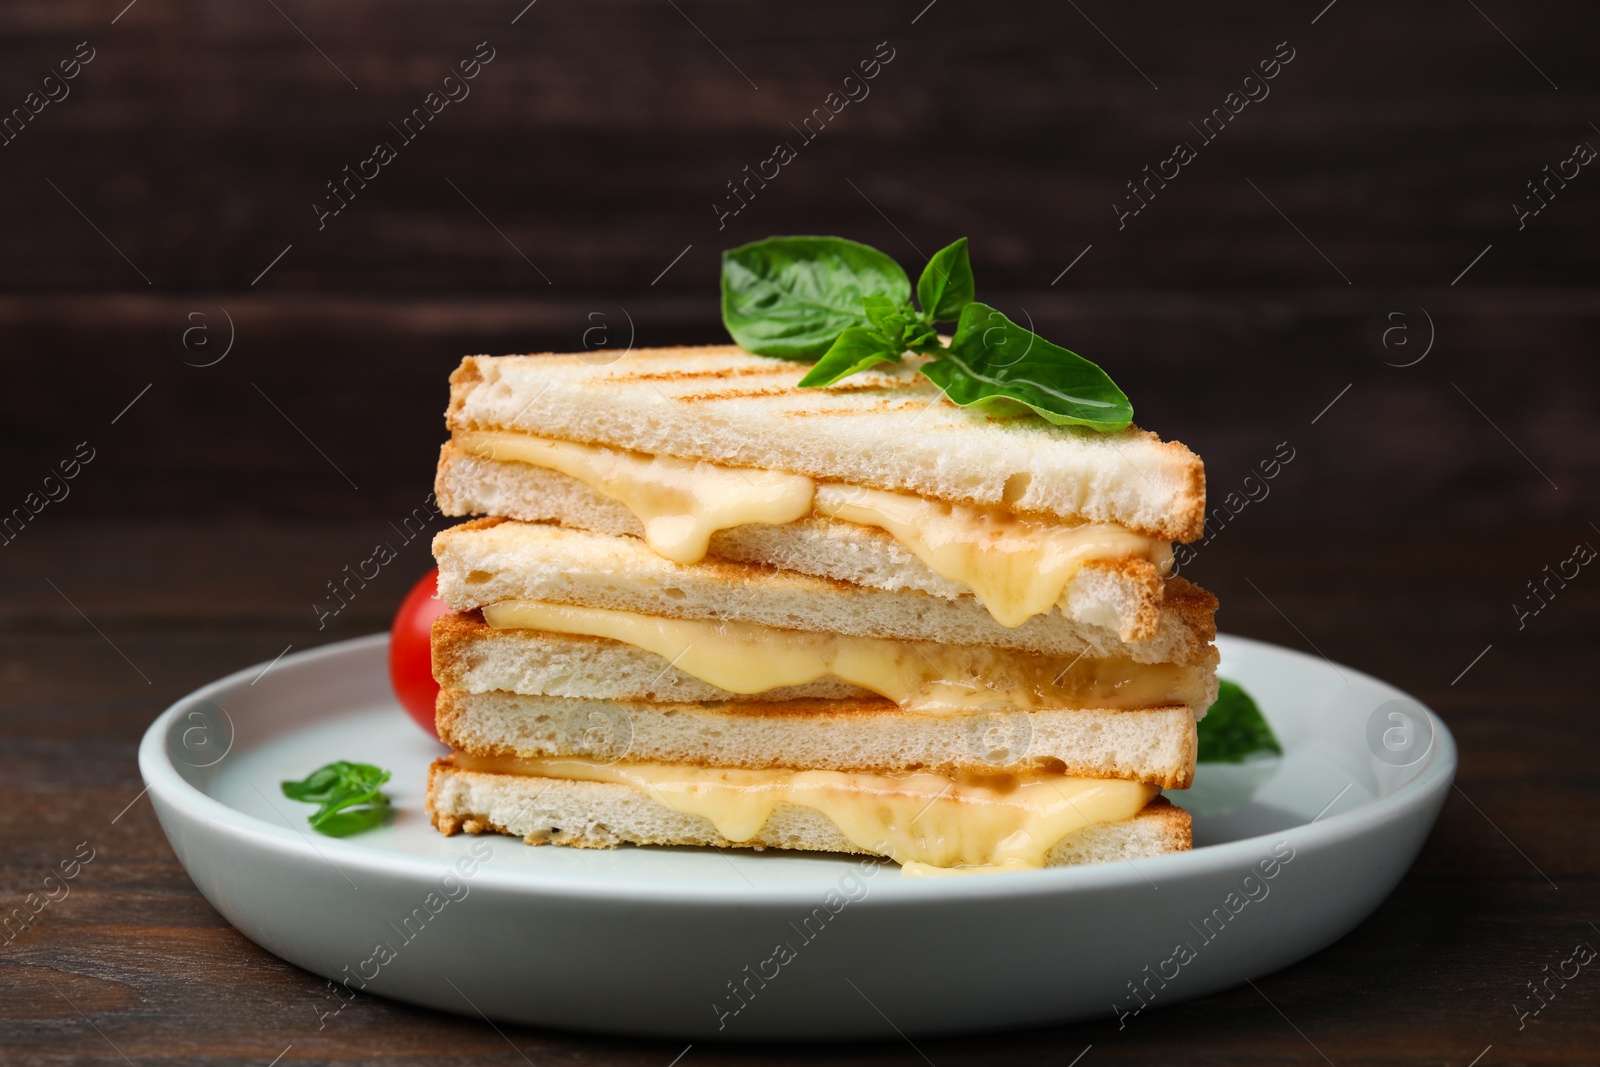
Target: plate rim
x: 166, y: 784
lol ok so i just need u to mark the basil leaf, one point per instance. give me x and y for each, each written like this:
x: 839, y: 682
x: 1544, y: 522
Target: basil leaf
x: 337, y: 788
x: 802, y: 298
x: 318, y: 786
x: 905, y: 329
x: 994, y: 363
x: 856, y: 349
x: 791, y: 297
x: 1234, y: 728
x: 884, y: 313
x: 358, y: 821
x: 922, y: 338
x: 946, y: 285
x: 335, y: 779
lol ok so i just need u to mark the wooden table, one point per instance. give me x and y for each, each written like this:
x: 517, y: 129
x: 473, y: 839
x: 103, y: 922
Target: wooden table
x: 105, y: 624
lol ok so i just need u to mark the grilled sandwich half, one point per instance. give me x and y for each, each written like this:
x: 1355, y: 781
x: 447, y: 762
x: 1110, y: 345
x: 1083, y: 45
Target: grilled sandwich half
x: 877, y: 482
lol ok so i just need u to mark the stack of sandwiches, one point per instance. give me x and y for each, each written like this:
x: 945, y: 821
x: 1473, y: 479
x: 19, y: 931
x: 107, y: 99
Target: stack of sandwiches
x: 708, y: 608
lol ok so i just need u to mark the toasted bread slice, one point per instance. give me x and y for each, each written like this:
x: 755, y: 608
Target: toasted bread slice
x: 886, y: 428
x: 490, y: 560
x: 1121, y: 595
x: 604, y: 815
x: 1154, y: 745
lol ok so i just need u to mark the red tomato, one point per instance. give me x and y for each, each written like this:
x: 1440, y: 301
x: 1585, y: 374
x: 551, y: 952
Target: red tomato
x: 410, y: 663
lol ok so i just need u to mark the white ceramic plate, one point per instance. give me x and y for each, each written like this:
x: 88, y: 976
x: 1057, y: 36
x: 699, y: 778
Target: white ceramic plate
x: 702, y: 944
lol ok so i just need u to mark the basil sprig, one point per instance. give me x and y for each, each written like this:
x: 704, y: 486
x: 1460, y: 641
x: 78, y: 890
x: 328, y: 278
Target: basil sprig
x: 849, y: 307
x: 348, y: 794
x: 1234, y: 728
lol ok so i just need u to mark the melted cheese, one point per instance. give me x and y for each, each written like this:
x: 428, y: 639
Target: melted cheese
x: 680, y: 502
x: 928, y: 822
x: 745, y: 657
x: 1017, y: 567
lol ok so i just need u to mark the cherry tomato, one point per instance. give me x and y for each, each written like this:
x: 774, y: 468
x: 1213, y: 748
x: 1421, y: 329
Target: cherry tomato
x: 410, y: 662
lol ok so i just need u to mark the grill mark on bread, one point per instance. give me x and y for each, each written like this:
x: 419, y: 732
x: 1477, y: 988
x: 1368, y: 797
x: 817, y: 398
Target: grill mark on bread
x: 786, y: 391
x: 712, y: 373
x: 868, y: 386
x: 879, y: 408
x: 731, y: 394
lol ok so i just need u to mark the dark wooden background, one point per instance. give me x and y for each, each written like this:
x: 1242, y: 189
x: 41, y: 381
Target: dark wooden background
x: 172, y: 190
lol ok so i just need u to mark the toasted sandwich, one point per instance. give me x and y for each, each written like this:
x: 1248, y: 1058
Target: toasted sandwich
x: 708, y: 608
x: 877, y: 483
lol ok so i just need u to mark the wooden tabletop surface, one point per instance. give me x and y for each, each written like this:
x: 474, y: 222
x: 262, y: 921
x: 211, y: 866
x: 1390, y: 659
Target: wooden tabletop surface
x: 104, y: 625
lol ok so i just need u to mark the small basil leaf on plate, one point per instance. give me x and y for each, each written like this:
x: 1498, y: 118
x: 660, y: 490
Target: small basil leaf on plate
x: 791, y: 297
x: 345, y: 823
x: 343, y: 816
x: 946, y: 284
x: 858, y: 348
x: 348, y: 794
x: 1234, y: 728
x: 996, y: 364
x: 319, y: 785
